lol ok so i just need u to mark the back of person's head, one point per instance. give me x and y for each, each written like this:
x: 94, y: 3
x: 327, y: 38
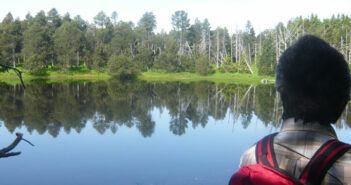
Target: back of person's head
x: 313, y: 81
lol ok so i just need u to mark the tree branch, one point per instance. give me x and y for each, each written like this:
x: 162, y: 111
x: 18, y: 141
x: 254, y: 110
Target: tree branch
x: 5, y: 152
x: 18, y: 72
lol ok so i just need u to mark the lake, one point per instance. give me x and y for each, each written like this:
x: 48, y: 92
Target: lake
x: 135, y: 132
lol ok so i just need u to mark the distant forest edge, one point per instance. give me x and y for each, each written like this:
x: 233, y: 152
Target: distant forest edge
x: 51, y: 42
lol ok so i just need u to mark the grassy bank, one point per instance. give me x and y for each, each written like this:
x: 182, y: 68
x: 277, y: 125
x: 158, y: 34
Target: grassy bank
x: 78, y: 74
x: 83, y: 74
x: 217, y: 77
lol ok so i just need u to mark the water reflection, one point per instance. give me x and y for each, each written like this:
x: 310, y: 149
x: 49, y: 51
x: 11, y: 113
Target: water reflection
x: 109, y: 105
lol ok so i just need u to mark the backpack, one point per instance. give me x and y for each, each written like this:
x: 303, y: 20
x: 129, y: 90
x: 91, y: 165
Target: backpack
x: 267, y: 171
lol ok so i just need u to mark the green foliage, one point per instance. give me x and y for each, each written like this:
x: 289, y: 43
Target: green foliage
x: 144, y: 60
x: 148, y: 22
x: 203, y: 66
x: 123, y: 37
x: 187, y: 64
x: 167, y: 62
x: 34, y: 64
x: 267, y: 59
x: 63, y: 42
x: 98, y: 63
x: 37, y: 43
x: 234, y: 67
x: 68, y: 42
x: 122, y: 66
x: 10, y: 39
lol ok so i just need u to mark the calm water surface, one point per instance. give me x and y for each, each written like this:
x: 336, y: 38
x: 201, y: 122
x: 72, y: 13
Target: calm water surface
x: 135, y: 133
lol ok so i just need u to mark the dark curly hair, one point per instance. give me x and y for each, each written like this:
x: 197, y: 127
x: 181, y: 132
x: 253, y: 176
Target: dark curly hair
x: 313, y: 80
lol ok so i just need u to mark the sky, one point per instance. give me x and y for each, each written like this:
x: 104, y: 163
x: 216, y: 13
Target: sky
x: 233, y: 14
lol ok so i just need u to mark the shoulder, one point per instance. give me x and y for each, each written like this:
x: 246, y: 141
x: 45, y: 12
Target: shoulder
x: 248, y: 157
x: 342, y: 168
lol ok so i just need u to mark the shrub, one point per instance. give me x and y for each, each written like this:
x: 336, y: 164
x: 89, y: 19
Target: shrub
x: 34, y: 64
x: 144, y: 60
x: 203, y: 66
x: 167, y: 62
x: 98, y: 63
x: 122, y: 66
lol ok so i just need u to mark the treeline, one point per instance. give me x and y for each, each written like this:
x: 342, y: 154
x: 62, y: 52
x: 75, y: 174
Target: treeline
x: 114, y: 104
x: 52, y: 41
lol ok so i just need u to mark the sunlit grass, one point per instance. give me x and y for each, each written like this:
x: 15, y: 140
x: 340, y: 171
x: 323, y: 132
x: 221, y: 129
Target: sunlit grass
x: 217, y: 77
x: 82, y: 73
x: 51, y: 75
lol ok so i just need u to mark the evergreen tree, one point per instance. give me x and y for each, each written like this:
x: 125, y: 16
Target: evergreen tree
x: 180, y: 23
x: 10, y: 39
x: 267, y: 59
x: 68, y: 43
x: 36, y: 44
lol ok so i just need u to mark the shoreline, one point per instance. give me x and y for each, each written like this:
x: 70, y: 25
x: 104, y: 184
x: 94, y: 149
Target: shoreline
x: 240, y: 78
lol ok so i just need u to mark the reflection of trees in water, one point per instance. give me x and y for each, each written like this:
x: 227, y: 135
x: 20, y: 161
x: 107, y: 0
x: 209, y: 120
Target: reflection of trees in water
x: 108, y: 106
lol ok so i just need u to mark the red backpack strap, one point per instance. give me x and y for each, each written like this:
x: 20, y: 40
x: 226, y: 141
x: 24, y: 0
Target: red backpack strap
x: 265, y: 155
x: 265, y: 152
x: 322, y: 160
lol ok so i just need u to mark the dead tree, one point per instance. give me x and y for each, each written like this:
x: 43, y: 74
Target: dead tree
x: 18, y: 72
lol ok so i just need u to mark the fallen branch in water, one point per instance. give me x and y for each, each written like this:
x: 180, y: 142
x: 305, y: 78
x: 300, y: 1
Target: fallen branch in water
x: 17, y: 71
x: 5, y: 152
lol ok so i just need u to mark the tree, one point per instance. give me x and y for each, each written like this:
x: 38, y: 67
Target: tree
x: 148, y: 22
x: 54, y: 19
x: 101, y: 19
x: 40, y: 19
x: 249, y: 39
x: 54, y: 22
x: 122, y: 66
x: 194, y: 33
x: 10, y: 39
x: 36, y: 43
x: 114, y: 17
x: 267, y: 59
x: 180, y: 23
x: 68, y: 43
x: 34, y: 64
x: 123, y: 39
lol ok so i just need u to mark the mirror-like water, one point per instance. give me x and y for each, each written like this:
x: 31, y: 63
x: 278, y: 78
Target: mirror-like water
x: 135, y: 133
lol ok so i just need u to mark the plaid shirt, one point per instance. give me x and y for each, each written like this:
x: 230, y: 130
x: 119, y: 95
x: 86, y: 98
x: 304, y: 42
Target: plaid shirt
x: 296, y: 143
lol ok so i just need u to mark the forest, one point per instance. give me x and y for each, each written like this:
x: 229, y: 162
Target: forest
x: 50, y: 41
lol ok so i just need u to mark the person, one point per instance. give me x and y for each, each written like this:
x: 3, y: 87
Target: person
x: 313, y: 80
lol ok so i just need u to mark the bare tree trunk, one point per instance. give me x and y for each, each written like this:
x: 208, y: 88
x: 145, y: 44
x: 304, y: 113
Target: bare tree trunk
x: 209, y: 46
x: 249, y: 53
x: 203, y: 44
x: 77, y: 58
x: 276, y: 48
x: 248, y: 65
x: 231, y: 48
x: 217, y: 56
x: 13, y: 56
x: 224, y: 50
x: 236, y: 47
x: 255, y: 52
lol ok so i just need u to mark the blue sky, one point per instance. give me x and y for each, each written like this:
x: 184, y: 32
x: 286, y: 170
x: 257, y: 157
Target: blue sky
x: 230, y: 13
